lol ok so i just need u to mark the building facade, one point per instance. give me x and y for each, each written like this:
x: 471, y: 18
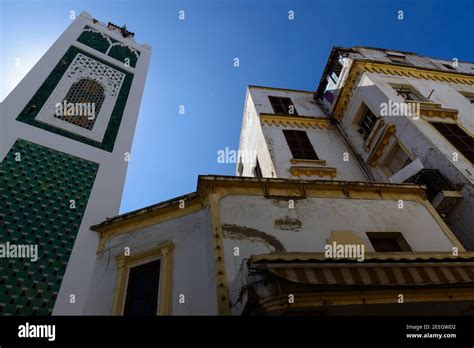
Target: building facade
x: 435, y: 147
x: 66, y: 131
x: 339, y: 205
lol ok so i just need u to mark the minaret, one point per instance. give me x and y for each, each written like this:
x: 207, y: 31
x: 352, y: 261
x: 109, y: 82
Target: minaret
x: 66, y: 133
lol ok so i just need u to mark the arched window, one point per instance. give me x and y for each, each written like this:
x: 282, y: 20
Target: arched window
x: 82, y: 103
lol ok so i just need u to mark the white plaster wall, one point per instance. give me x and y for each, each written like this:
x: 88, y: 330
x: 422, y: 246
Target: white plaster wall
x: 448, y: 96
x: 252, y: 141
x: 327, y: 144
x: 420, y: 138
x: 303, y: 101
x: 193, y: 265
x: 367, y: 93
x: 318, y: 217
x: 270, y: 144
x: 105, y: 197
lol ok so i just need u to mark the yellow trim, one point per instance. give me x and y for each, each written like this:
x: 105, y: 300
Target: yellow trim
x: 139, y: 221
x: 223, y: 299
x: 164, y: 252
x: 281, y: 188
x: 370, y: 139
x: 415, y: 72
x: 295, y: 121
x: 275, y: 303
x: 313, y: 171
x: 428, y: 110
x: 359, y: 67
x: 360, y: 112
x: 309, y: 161
x: 380, y: 146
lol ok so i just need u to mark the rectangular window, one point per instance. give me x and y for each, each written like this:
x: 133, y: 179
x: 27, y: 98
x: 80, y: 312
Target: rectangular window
x: 367, y: 123
x: 282, y: 105
x: 396, y: 159
x: 408, y: 93
x: 388, y: 241
x: 462, y: 141
x: 142, y: 290
x: 299, y: 144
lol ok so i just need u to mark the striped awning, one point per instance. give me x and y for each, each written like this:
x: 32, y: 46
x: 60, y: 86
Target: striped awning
x: 376, y: 274
x: 421, y: 271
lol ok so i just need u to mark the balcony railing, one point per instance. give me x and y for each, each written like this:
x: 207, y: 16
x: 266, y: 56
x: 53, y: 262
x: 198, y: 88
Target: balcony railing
x: 439, y: 190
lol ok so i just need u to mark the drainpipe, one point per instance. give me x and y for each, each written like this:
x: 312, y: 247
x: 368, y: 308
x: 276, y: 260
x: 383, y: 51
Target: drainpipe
x: 360, y: 161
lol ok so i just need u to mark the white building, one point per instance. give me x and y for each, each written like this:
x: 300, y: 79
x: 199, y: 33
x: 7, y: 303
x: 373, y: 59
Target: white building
x: 63, y: 172
x: 317, y: 173
x: 435, y: 149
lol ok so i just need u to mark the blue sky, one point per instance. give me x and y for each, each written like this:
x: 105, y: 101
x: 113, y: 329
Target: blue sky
x: 192, y: 64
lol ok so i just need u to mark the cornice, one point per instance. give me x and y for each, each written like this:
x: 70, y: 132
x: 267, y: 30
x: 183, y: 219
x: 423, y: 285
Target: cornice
x: 295, y: 121
x: 360, y: 67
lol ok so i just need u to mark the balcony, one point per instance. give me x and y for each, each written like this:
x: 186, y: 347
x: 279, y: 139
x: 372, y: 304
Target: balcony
x: 430, y: 109
x: 439, y: 190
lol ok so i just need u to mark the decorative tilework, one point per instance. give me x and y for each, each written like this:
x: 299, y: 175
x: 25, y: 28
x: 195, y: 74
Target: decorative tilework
x: 94, y: 39
x: 35, y: 195
x: 84, y: 91
x: 33, y: 107
x: 109, y: 46
x: 122, y: 52
x: 84, y: 67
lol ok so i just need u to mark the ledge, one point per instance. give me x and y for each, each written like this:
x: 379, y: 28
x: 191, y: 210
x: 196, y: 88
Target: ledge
x: 382, y: 142
x: 308, y: 161
x: 359, y: 67
x: 295, y: 121
x: 265, y: 187
x: 313, y: 171
x: 428, y: 109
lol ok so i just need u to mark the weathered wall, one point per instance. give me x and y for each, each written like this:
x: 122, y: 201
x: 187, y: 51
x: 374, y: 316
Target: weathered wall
x: 193, y: 265
x: 273, y: 151
x: 259, y: 225
x: 420, y: 138
x: 302, y: 100
x: 327, y: 144
x: 252, y: 142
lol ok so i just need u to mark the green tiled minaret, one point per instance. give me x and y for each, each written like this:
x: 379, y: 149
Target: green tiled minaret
x: 65, y: 131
